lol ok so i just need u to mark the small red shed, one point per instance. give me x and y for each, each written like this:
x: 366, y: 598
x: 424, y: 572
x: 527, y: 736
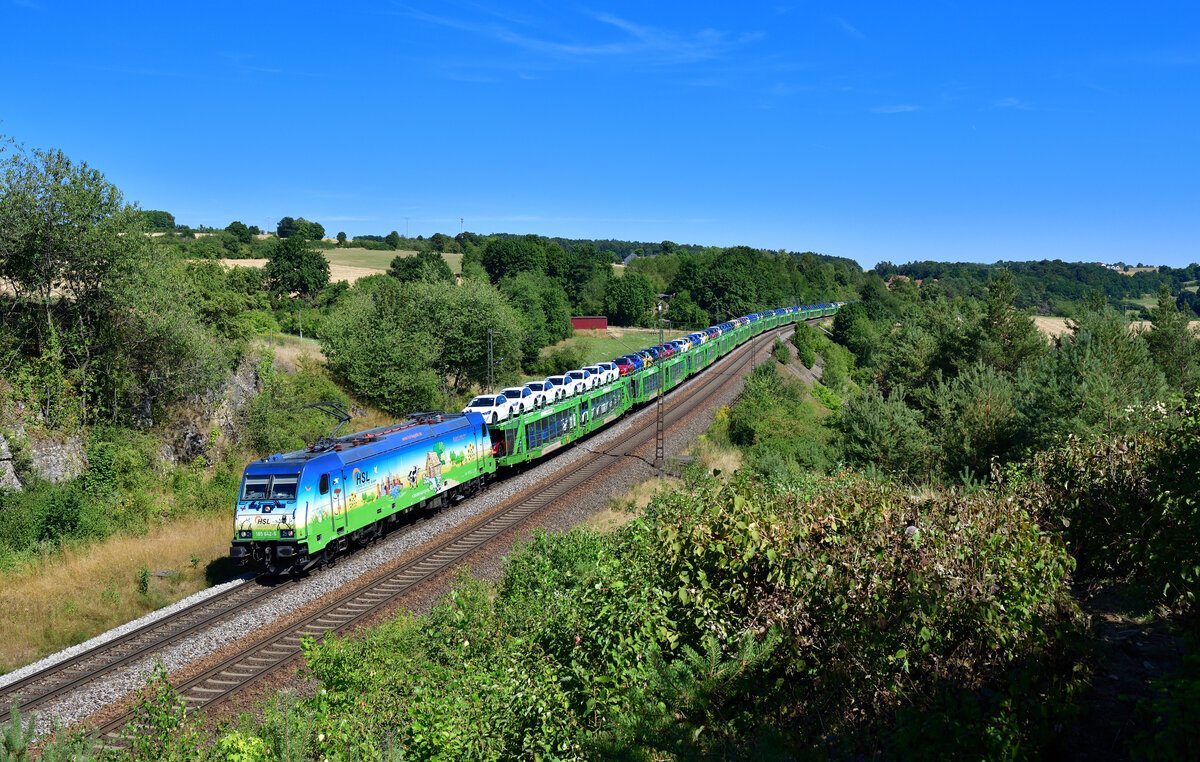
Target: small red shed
x: 589, y: 321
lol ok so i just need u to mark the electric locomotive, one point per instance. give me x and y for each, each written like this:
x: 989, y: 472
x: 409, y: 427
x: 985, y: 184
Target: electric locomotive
x: 295, y: 508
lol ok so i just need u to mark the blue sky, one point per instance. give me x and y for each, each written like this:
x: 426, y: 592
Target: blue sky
x: 897, y: 131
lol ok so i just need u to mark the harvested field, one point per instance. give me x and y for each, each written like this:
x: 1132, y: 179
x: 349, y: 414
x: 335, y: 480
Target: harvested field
x: 351, y: 264
x: 336, y: 272
x: 1057, y: 326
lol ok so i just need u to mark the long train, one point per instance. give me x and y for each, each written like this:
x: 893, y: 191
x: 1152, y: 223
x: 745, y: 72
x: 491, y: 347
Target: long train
x: 296, y: 509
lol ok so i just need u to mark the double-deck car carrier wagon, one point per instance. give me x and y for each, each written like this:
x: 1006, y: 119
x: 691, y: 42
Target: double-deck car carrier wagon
x: 297, y: 508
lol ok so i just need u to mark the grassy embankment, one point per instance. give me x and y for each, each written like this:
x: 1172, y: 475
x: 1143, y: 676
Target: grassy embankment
x: 68, y: 597
x: 69, y: 594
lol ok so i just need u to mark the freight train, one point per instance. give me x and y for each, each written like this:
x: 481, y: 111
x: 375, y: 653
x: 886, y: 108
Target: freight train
x: 297, y: 509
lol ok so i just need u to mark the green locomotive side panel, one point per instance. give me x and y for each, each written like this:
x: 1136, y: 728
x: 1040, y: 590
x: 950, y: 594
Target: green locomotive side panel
x: 334, y: 495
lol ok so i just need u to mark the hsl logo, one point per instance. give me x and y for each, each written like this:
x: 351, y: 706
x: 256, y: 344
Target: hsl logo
x: 360, y: 478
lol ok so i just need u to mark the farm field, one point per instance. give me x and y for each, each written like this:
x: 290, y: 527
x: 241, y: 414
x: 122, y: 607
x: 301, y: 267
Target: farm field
x: 351, y: 264
x: 1135, y: 270
x: 379, y: 261
x: 1057, y: 326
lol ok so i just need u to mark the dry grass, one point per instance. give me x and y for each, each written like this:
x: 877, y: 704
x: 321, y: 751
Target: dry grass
x: 290, y: 351
x: 715, y: 456
x: 336, y: 271
x: 350, y: 264
x: 1056, y: 326
x: 66, y: 598
x: 627, y: 507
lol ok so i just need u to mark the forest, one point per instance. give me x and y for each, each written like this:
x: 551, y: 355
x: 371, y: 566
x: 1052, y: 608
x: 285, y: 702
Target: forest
x: 914, y: 536
x: 1056, y: 287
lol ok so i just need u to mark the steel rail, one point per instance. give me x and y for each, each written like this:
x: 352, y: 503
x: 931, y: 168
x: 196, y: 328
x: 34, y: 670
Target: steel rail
x: 240, y: 669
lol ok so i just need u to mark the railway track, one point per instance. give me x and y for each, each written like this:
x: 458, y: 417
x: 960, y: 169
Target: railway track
x: 233, y: 673
x: 77, y: 671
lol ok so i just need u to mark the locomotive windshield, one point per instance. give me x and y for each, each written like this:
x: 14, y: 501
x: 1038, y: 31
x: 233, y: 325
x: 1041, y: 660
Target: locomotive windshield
x: 270, y: 487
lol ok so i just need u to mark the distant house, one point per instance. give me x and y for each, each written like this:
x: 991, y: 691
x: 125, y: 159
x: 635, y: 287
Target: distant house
x: 589, y: 322
x: 629, y: 259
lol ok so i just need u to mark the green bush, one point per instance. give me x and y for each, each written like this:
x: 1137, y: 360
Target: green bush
x: 774, y: 425
x: 886, y: 433
x: 780, y: 351
x: 726, y: 621
x: 560, y: 360
x: 1130, y: 507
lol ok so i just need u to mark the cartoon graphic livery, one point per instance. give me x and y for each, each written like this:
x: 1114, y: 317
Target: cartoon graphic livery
x: 294, y: 506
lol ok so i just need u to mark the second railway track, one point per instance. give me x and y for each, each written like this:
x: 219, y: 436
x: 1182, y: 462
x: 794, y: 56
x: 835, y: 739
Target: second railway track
x: 244, y: 667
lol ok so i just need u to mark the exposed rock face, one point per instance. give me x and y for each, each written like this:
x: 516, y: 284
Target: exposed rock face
x: 58, y: 461
x: 8, y: 476
x: 218, y: 413
x: 51, y: 458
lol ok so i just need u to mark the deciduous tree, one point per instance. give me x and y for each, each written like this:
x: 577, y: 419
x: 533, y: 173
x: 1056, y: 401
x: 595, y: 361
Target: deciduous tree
x: 294, y: 267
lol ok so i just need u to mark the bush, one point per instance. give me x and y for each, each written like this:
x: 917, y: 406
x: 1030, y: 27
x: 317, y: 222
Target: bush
x: 723, y: 622
x: 560, y: 360
x: 886, y: 433
x: 1129, y: 506
x: 780, y: 351
x: 774, y: 425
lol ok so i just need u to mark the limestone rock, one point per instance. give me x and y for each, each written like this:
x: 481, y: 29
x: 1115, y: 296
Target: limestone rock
x: 8, y: 476
x: 58, y: 461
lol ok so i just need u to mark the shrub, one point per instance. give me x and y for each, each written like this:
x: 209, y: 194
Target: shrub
x: 780, y: 351
x: 1129, y: 506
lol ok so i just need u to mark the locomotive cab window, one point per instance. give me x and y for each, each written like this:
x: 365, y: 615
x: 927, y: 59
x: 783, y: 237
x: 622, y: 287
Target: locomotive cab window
x: 323, y: 487
x: 256, y: 487
x: 283, y: 486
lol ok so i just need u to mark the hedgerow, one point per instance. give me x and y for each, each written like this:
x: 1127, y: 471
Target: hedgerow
x: 729, y: 620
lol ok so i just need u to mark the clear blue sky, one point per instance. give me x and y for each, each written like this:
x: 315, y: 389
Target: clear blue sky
x: 898, y: 131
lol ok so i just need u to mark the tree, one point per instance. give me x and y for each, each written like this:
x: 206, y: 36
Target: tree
x: 440, y: 242
x: 504, y: 258
x: 1173, y: 345
x: 157, y: 221
x: 294, y: 267
x: 545, y: 316
x: 313, y: 231
x: 392, y: 239
x: 240, y: 232
x: 104, y: 324
x: 287, y: 228
x: 255, y: 230
x: 424, y: 266
x: 341, y: 238
x: 368, y: 340
x: 628, y: 299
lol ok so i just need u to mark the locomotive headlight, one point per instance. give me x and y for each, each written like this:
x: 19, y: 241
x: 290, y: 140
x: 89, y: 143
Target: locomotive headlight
x: 287, y: 532
x: 244, y: 534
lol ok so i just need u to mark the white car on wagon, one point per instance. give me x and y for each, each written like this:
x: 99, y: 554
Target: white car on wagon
x: 564, y: 386
x: 585, y: 378
x: 493, y: 407
x: 543, y: 392
x: 522, y: 397
x: 603, y: 375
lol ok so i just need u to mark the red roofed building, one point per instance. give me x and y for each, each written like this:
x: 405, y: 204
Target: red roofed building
x: 589, y: 321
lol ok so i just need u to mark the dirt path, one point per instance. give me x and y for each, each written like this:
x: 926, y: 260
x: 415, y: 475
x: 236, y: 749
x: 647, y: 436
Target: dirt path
x: 1132, y: 650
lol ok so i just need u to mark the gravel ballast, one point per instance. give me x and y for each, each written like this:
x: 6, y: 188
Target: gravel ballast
x: 616, y: 481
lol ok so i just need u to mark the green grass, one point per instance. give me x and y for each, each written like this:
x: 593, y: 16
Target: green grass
x: 380, y: 260
x: 598, y: 346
